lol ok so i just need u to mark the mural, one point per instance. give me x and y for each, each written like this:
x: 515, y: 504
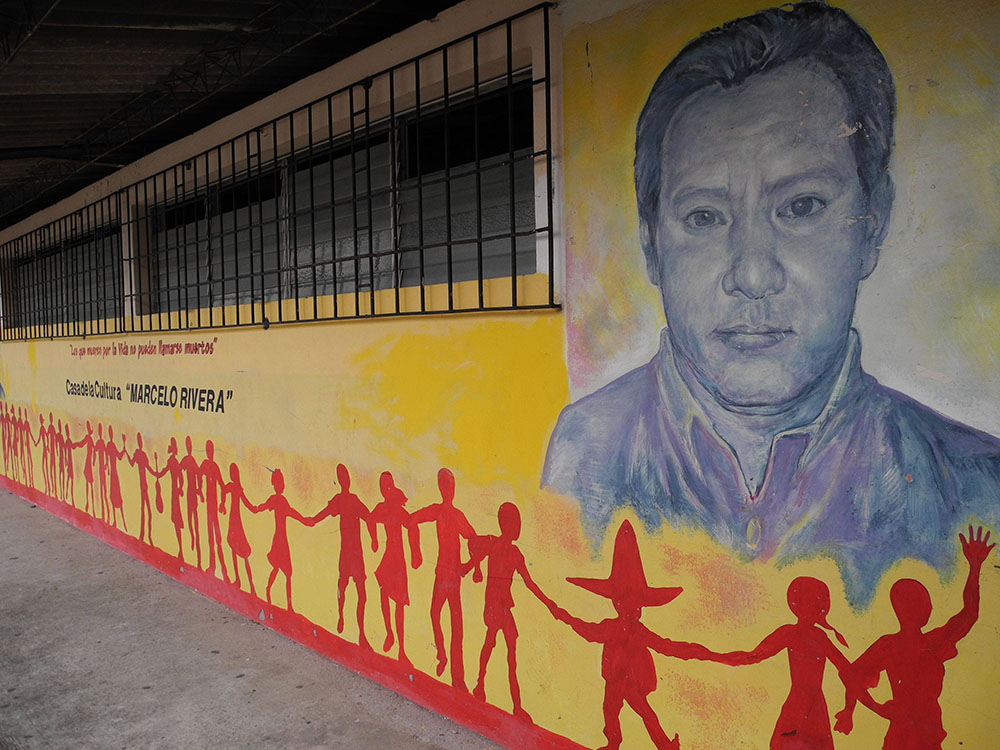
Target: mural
x: 764, y: 193
x: 741, y: 534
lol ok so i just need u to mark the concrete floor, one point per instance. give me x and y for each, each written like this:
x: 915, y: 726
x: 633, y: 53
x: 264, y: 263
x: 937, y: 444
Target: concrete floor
x: 98, y: 650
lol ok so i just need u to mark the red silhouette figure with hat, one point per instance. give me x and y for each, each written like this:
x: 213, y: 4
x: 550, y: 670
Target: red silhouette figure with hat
x: 627, y: 662
x: 804, y: 722
x: 391, y: 571
x: 452, y: 525
x: 236, y: 536
x: 279, y: 556
x: 504, y: 560
x: 352, y: 512
x: 914, y: 660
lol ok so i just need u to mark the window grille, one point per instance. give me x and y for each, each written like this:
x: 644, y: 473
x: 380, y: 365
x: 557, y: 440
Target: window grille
x: 425, y: 188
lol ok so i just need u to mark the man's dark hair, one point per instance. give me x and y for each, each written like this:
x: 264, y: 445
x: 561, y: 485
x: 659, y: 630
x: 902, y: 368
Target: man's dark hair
x: 811, y: 32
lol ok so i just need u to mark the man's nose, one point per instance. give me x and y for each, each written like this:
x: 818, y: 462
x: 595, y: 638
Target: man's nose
x: 755, y: 270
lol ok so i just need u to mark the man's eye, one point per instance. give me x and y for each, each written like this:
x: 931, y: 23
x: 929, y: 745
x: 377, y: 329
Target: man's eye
x: 703, y: 219
x: 800, y: 208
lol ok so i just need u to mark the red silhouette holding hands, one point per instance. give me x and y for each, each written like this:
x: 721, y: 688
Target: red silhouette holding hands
x: 210, y: 481
x: 114, y: 454
x: 804, y: 721
x: 451, y: 525
x: 504, y: 560
x: 88, y: 468
x: 914, y: 660
x: 627, y: 662
x: 391, y: 571
x: 173, y: 468
x: 140, y: 460
x: 279, y: 556
x: 236, y: 536
x: 352, y: 512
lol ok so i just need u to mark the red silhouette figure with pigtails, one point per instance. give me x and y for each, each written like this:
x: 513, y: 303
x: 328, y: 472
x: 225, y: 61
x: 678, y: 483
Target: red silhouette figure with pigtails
x: 914, y: 660
x: 189, y: 465
x: 140, y: 460
x: 627, y: 662
x: 391, y: 571
x: 88, y: 468
x: 279, y: 556
x: 236, y: 536
x: 173, y: 468
x: 210, y: 480
x: 352, y: 512
x: 804, y: 722
x: 504, y: 559
x: 452, y: 526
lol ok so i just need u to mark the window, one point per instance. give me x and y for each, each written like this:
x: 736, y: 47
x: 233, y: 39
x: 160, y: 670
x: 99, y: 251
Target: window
x: 424, y: 188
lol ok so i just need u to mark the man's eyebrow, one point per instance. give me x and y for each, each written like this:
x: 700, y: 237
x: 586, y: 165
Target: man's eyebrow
x: 821, y: 175
x: 694, y: 191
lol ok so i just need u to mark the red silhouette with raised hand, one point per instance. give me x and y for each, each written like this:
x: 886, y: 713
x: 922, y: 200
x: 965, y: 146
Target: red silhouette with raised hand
x: 189, y: 465
x: 914, y: 660
x: 627, y: 662
x: 352, y: 512
x: 114, y: 454
x: 88, y: 468
x: 504, y: 559
x: 391, y: 571
x: 173, y: 468
x: 451, y: 525
x: 140, y: 460
x: 211, y: 482
x: 236, y: 536
x: 804, y: 721
x: 279, y: 556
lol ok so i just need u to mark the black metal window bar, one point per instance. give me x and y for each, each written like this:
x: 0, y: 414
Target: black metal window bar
x: 65, y: 278
x: 426, y: 188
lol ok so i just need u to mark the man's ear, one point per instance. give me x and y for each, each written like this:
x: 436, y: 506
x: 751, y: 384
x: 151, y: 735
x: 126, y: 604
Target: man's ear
x: 649, y: 250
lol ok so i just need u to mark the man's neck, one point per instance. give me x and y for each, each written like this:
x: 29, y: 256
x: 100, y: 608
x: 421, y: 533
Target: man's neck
x: 750, y: 431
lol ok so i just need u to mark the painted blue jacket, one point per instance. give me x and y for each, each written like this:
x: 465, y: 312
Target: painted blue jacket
x: 875, y: 478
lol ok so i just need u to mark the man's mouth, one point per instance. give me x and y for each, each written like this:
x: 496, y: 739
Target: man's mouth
x: 752, y: 338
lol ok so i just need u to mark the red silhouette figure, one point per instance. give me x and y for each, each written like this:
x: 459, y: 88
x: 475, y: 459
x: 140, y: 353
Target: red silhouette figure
x: 5, y: 438
x: 140, y: 460
x: 102, y: 472
x: 114, y: 454
x: 50, y: 434
x: 279, y: 556
x: 504, y: 560
x: 88, y: 468
x: 59, y: 449
x: 627, y: 662
x: 452, y: 525
x: 173, y: 468
x: 352, y: 512
x: 914, y: 660
x: 391, y: 571
x: 27, y: 438
x: 237, y: 537
x: 211, y: 477
x: 189, y: 465
x: 68, y: 446
x: 45, y: 438
x: 804, y: 722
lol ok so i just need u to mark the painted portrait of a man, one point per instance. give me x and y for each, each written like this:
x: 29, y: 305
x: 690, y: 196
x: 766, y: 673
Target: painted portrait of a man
x: 764, y: 193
